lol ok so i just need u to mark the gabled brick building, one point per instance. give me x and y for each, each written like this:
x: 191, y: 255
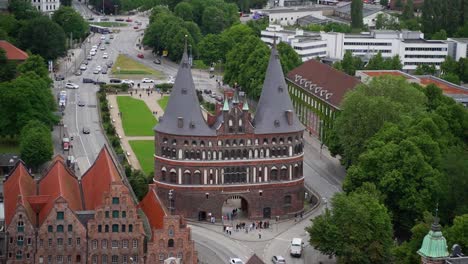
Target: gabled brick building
x: 60, y: 219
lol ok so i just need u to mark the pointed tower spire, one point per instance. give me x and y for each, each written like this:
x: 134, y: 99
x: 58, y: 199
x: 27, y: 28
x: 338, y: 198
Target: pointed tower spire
x: 434, y: 246
x: 275, y: 112
x: 226, y: 105
x: 245, y: 107
x: 183, y: 114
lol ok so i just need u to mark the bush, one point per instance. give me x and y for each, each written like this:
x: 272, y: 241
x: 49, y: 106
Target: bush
x: 165, y: 87
x: 112, y: 88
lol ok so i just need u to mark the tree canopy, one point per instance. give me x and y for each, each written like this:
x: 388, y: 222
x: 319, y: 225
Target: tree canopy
x: 71, y: 22
x: 7, y: 68
x: 356, y: 14
x: 356, y: 230
x: 36, y: 144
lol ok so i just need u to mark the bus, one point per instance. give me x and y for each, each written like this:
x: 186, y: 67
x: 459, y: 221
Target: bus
x: 98, y: 29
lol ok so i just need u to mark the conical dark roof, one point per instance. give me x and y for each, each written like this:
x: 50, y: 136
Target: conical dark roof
x: 183, y: 115
x: 275, y: 112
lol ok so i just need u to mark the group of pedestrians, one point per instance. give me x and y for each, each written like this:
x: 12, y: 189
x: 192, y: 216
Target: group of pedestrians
x: 256, y: 225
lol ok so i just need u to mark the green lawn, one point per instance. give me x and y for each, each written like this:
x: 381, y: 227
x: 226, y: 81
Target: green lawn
x: 163, y: 102
x: 109, y: 24
x: 137, y: 119
x: 129, y: 66
x: 144, y: 151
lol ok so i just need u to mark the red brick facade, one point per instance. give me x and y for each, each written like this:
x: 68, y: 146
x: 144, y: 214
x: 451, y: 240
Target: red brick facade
x: 21, y: 238
x: 173, y: 240
x: 116, y: 232
x: 62, y: 237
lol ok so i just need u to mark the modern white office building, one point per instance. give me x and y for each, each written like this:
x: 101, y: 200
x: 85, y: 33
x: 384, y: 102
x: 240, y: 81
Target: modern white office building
x: 411, y: 46
x: 46, y: 6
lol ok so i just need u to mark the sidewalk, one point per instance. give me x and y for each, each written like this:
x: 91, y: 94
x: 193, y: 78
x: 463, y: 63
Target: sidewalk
x: 275, y: 229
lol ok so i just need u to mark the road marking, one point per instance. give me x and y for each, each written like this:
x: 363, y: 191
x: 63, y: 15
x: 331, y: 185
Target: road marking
x: 78, y: 131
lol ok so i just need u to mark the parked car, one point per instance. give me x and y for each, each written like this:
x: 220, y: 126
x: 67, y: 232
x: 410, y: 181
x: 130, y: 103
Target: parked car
x: 81, y: 103
x: 128, y: 82
x: 86, y: 130
x: 59, y: 77
x: 104, y: 70
x: 78, y: 73
x: 147, y: 80
x: 140, y: 55
x: 129, y: 20
x: 105, y: 55
x: 278, y: 260
x: 99, y: 82
x: 88, y: 80
x: 171, y: 80
x: 109, y: 63
x: 89, y: 57
x: 104, y: 19
x: 96, y: 71
x: 157, y: 61
x: 135, y: 27
x: 90, y: 18
x: 83, y: 67
x: 119, y: 19
x: 111, y: 36
x: 70, y: 85
x: 102, y: 48
x: 103, y: 37
x: 85, y: 62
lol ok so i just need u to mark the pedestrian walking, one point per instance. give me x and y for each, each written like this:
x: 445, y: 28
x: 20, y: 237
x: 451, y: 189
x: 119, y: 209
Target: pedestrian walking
x: 140, y: 95
x: 259, y: 234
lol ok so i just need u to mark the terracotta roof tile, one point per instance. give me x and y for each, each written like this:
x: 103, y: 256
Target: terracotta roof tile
x: 59, y: 182
x: 98, y: 179
x: 12, y: 52
x: 153, y: 209
x: 333, y: 83
x: 254, y: 259
x: 17, y: 188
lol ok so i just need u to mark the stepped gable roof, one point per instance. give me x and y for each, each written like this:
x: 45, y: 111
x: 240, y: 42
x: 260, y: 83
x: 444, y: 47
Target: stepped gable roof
x: 271, y: 115
x: 183, y: 114
x: 17, y: 188
x: 323, y: 81
x: 12, y: 52
x: 153, y: 209
x: 59, y: 182
x: 254, y: 259
x: 98, y: 179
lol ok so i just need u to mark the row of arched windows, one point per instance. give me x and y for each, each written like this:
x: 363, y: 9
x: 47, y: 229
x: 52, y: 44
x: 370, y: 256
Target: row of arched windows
x: 235, y: 142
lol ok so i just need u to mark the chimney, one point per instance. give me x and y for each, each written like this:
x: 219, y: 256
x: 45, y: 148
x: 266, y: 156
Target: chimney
x: 289, y: 117
x: 180, y: 122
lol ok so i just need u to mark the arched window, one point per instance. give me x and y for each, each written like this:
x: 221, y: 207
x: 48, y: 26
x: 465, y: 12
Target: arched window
x: 274, y: 174
x: 241, y: 142
x: 234, y: 142
x: 284, y: 174
x: 265, y: 141
x: 163, y: 174
x: 173, y: 176
x: 187, y: 177
x: 171, y: 231
x: 197, y: 177
x: 164, y: 140
x: 194, y: 143
x: 170, y: 243
x: 281, y: 140
x: 130, y: 228
x: 289, y: 139
x: 185, y: 142
x: 174, y: 142
x: 273, y: 141
x: 106, y: 229
x: 186, y: 154
x: 227, y: 143
x: 202, y: 143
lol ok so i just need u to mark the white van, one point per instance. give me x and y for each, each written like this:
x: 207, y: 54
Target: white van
x: 296, y: 247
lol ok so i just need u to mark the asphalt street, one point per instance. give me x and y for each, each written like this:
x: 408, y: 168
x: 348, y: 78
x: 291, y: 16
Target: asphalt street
x: 322, y: 172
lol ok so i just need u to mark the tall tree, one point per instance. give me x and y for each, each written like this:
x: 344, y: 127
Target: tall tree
x: 44, y: 37
x: 184, y: 10
x: 7, y: 68
x: 356, y: 14
x: 289, y: 57
x: 23, y: 9
x: 371, y: 105
x: 377, y: 62
x: 36, y: 64
x: 36, y: 144
x: 458, y: 232
x: 71, y: 22
x: 408, y: 11
x: 384, y: 3
x: 428, y: 15
x: 356, y: 230
x: 213, y: 20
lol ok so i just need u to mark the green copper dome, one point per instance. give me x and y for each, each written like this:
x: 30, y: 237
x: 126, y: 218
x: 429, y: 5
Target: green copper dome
x: 434, y: 245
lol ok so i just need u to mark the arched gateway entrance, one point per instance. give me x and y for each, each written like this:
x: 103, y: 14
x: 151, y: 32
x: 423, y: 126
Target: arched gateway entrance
x: 235, y: 207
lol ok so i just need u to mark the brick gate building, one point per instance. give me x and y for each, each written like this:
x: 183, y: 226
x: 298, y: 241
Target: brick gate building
x: 200, y: 164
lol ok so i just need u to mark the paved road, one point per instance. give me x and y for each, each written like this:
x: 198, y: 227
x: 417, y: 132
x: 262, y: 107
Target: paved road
x: 321, y: 171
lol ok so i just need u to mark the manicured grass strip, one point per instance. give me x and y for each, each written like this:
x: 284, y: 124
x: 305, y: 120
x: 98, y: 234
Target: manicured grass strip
x: 137, y: 119
x: 163, y: 102
x: 109, y: 24
x: 144, y: 151
x: 128, y: 65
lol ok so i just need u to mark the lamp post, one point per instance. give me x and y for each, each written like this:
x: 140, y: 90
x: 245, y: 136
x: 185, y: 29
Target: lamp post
x: 103, y: 13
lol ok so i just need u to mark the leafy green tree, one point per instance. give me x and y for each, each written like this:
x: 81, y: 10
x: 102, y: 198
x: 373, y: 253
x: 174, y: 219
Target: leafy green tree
x: 398, y: 4
x: 337, y: 27
x: 463, y: 69
x: 44, y: 37
x: 428, y: 15
x: 377, y: 62
x: 36, y: 144
x: 356, y: 14
x: 213, y: 20
x: 9, y: 24
x: 258, y: 25
x: 7, y: 68
x: 157, y: 11
x: 371, y: 105
x: 395, y: 63
x: 356, y: 230
x: 184, y: 10
x: 23, y: 9
x: 36, y: 64
x: 384, y: 2
x: 25, y: 98
x: 440, y: 35
x: 458, y: 232
x: 211, y: 48
x: 451, y: 77
x: 408, y: 11
x: 71, y: 22
x: 65, y: 2
x: 449, y: 66
x: 348, y: 63
x: 423, y: 69
x: 194, y: 31
x: 289, y: 57
x: 252, y: 74
x: 138, y: 181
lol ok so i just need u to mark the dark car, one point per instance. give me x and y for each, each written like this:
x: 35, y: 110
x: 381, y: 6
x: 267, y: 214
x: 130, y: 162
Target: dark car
x: 86, y: 130
x: 140, y: 55
x: 109, y: 64
x: 157, y: 61
x: 206, y: 91
x: 119, y: 19
x: 99, y: 82
x: 59, y: 77
x: 88, y: 80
